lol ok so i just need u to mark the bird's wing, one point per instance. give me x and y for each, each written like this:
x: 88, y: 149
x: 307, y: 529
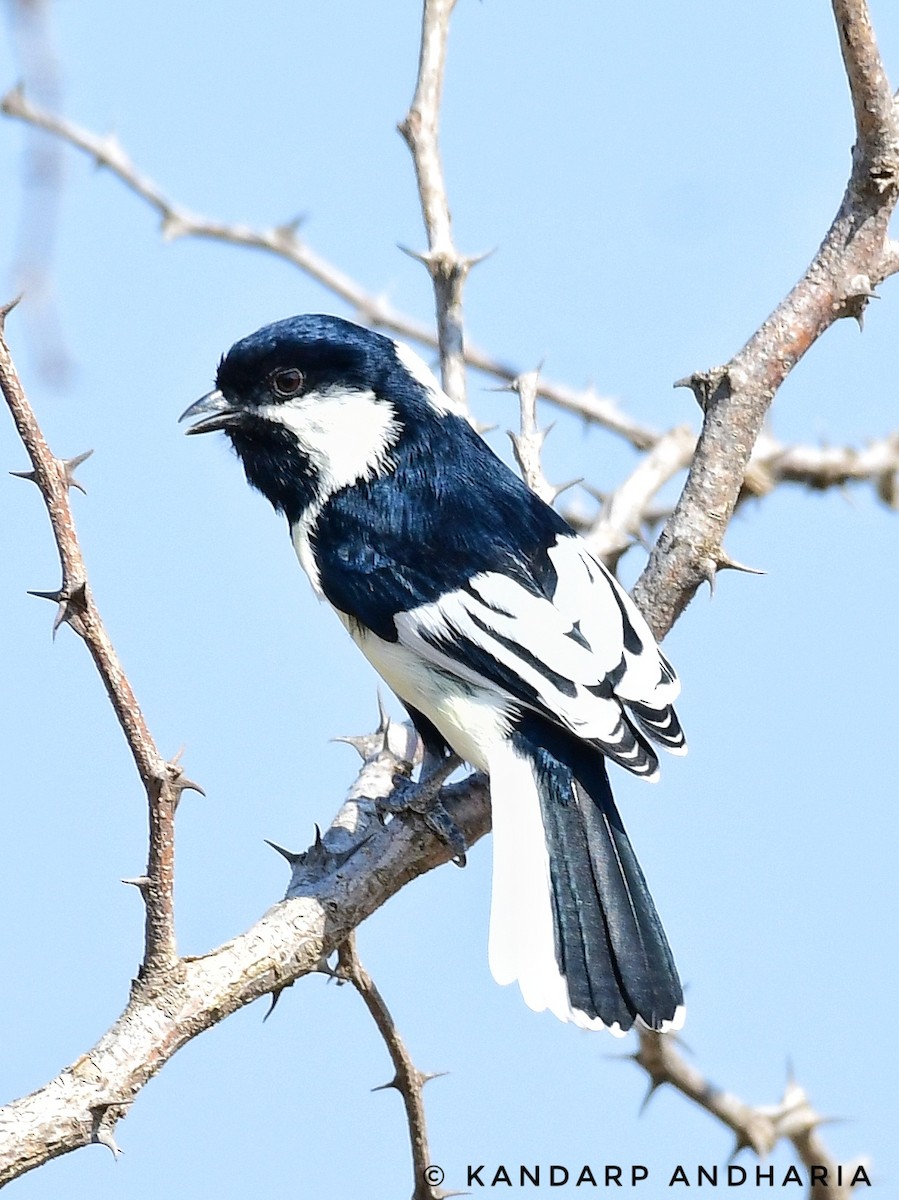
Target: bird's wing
x: 576, y: 650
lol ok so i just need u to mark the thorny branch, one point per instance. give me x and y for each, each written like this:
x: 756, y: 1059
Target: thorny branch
x: 853, y: 259
x: 445, y: 265
x: 163, y: 781
x: 627, y: 515
x: 346, y: 875
x: 758, y: 1129
x: 360, y: 863
x: 284, y: 242
x: 407, y: 1079
x: 816, y: 468
x: 528, y: 442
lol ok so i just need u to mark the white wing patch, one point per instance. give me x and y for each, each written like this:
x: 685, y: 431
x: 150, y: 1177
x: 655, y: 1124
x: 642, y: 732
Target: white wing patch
x: 586, y: 657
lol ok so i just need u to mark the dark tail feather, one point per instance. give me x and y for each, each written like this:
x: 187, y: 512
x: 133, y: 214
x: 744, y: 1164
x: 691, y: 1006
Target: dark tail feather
x: 610, y: 945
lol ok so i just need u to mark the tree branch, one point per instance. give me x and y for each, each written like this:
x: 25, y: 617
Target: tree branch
x: 407, y: 1079
x: 285, y: 243
x: 163, y: 781
x: 342, y: 879
x: 758, y: 1129
x: 735, y: 398
x: 447, y: 268
x: 624, y: 513
x: 822, y: 467
x: 359, y: 864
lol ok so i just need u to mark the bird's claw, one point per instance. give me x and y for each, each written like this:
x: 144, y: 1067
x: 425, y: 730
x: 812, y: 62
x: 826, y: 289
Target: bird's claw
x: 423, y: 798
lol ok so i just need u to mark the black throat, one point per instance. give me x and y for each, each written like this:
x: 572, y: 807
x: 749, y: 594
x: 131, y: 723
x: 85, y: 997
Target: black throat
x: 276, y: 465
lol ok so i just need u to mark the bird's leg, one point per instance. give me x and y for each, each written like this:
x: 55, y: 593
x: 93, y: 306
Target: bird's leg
x: 423, y: 798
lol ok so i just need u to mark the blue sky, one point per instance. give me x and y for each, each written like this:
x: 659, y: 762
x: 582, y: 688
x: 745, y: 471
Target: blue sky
x: 653, y: 179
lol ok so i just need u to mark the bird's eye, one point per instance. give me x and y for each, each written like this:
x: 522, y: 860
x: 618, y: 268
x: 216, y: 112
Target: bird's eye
x: 287, y: 383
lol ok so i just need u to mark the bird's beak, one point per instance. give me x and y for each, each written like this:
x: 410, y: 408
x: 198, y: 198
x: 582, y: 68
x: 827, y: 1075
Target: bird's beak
x: 216, y: 412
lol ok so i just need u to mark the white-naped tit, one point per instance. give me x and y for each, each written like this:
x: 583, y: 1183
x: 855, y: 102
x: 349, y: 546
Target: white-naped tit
x: 504, y: 638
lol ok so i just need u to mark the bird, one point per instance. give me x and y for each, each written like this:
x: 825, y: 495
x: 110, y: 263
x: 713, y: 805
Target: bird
x: 508, y: 643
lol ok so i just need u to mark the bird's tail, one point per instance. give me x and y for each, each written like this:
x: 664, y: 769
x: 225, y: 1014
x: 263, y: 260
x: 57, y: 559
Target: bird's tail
x: 572, y: 918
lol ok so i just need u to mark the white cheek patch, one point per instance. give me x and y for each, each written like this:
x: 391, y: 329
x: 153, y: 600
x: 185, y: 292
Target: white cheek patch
x: 346, y: 434
x: 422, y: 373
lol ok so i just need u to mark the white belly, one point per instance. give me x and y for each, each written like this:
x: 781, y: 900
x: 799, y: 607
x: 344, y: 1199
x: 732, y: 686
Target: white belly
x: 471, y: 718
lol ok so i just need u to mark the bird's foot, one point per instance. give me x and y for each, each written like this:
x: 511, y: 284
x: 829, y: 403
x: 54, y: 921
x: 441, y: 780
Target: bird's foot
x: 423, y: 798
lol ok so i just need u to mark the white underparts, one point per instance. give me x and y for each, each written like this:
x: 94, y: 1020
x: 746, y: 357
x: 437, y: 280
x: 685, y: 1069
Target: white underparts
x: 471, y: 717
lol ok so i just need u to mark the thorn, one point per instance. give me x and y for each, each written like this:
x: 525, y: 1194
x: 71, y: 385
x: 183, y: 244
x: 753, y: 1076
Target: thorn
x: 71, y: 465
x: 383, y: 730
x: 104, y: 1137
x: 383, y: 718
x: 109, y: 151
x: 71, y: 605
x: 708, y: 571
x: 475, y: 260
x: 726, y: 563
x: 323, y: 967
x: 426, y: 1076
x: 292, y: 857
x: 654, y: 1085
x: 291, y: 228
x: 359, y: 742
x: 174, y: 226
x: 276, y: 996
x: 12, y: 100
x: 141, y: 882
x: 421, y: 256
x: 742, y: 1143
x: 705, y: 385
x: 559, y: 488
x: 6, y: 309
x: 56, y: 596
x: 855, y: 300
x: 71, y: 608
x: 30, y: 475
x: 104, y: 1123
x: 183, y: 784
x: 177, y: 778
x: 383, y: 1087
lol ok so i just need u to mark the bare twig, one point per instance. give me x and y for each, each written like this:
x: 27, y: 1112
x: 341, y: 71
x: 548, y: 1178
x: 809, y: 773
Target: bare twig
x: 624, y: 513
x: 528, y: 442
x: 284, y: 242
x: 852, y: 260
x: 822, y: 467
x: 407, y: 1079
x: 163, y: 780
x: 359, y: 864
x: 758, y: 1129
x: 420, y: 129
x: 630, y: 508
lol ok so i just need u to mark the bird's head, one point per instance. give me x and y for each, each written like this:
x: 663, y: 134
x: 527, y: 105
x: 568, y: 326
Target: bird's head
x: 314, y: 403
